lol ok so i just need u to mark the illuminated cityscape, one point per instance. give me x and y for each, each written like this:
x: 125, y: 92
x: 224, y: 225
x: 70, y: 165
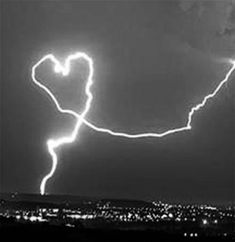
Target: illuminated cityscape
x: 109, y: 214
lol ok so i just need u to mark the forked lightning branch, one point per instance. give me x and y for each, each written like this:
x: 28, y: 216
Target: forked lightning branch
x: 64, y: 69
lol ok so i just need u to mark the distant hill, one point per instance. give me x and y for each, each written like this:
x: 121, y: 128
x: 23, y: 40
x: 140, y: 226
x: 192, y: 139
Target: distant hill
x: 33, y: 200
x: 57, y: 199
x: 126, y: 203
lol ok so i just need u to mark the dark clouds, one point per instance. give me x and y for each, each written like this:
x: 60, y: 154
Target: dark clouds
x: 153, y: 62
x: 214, y: 22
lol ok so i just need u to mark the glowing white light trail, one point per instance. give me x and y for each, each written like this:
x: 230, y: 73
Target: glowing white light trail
x: 52, y: 144
x: 64, y: 69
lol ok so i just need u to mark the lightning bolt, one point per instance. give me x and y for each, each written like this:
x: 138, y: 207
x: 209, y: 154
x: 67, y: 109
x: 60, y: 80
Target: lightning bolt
x: 64, y: 69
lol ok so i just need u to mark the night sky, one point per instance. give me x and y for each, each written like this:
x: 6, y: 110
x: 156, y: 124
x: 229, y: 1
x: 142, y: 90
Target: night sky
x: 153, y: 61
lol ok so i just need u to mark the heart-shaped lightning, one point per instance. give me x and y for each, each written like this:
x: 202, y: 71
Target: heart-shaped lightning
x: 64, y: 69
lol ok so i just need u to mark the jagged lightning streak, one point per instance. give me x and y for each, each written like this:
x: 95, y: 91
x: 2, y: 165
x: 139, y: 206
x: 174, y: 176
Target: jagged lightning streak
x: 53, y: 144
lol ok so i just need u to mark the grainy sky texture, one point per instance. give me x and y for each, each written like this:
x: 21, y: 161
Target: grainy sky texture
x: 153, y: 60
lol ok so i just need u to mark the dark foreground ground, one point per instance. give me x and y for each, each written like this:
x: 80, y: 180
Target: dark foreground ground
x: 42, y: 232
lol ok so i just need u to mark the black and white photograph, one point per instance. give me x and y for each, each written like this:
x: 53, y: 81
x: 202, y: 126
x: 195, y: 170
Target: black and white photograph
x: 117, y: 120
